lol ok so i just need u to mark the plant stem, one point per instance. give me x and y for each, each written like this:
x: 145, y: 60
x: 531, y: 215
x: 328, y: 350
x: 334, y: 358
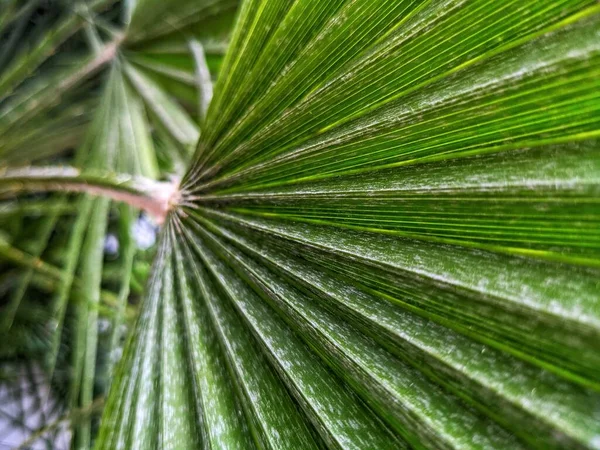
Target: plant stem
x: 155, y: 197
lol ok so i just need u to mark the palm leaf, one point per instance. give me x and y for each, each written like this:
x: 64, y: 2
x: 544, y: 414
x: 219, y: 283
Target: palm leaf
x: 388, y: 237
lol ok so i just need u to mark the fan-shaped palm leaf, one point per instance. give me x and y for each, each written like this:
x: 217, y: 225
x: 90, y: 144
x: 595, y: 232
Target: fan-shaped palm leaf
x: 388, y: 237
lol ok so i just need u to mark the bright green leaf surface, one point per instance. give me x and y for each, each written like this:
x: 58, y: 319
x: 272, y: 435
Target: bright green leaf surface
x: 389, y: 236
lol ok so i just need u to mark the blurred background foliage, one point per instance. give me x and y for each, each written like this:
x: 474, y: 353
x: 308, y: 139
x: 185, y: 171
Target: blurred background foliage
x: 98, y: 84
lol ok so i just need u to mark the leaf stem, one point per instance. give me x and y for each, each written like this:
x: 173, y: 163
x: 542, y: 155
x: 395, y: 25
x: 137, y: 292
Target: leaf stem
x: 155, y: 197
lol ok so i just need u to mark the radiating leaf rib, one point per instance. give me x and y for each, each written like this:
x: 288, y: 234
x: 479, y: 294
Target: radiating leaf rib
x: 222, y: 423
x: 174, y: 45
x: 20, y: 21
x: 272, y: 416
x: 7, y: 13
x: 32, y: 207
x: 167, y: 67
x: 46, y: 135
x: 131, y: 415
x: 525, y: 299
x: 301, y: 23
x: 356, y: 26
x: 256, y: 21
x: 482, y: 375
x: 139, y: 385
x: 336, y: 414
x: 398, y: 393
x: 523, y: 97
x: 536, y: 202
x: 140, y: 159
x: 178, y: 416
x: 410, y: 59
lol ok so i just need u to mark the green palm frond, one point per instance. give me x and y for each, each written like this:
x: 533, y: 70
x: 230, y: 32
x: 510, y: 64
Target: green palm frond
x: 386, y: 231
x: 388, y: 237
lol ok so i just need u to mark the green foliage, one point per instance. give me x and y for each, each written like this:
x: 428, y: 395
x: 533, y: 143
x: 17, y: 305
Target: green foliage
x: 390, y: 226
x: 388, y: 235
x: 74, y: 90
